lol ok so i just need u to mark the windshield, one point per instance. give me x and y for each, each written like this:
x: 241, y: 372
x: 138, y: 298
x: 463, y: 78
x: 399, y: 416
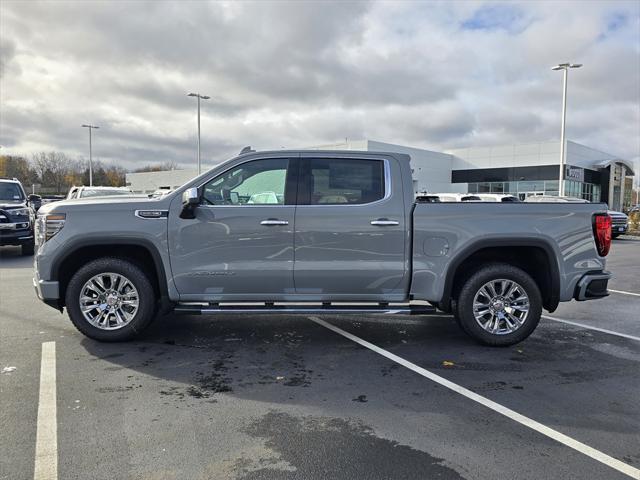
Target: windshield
x: 102, y: 193
x: 10, y: 192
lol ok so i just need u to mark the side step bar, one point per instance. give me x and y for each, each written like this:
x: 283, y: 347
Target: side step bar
x: 203, y: 309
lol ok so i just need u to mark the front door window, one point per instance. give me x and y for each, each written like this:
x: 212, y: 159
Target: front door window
x: 260, y: 182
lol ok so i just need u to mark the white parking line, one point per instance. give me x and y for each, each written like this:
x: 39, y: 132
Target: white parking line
x: 46, y: 461
x: 496, y: 407
x: 589, y: 327
x: 624, y: 293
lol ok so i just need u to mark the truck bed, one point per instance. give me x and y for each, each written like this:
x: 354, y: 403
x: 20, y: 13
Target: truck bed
x: 445, y: 233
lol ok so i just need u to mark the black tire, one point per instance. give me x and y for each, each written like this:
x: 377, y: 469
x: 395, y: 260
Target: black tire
x: 475, y: 282
x: 27, y: 249
x: 615, y: 235
x: 136, y: 275
x: 456, y: 317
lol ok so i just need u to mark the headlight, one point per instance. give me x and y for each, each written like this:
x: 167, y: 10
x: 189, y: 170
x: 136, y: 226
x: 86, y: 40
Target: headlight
x: 48, y: 225
x: 20, y: 212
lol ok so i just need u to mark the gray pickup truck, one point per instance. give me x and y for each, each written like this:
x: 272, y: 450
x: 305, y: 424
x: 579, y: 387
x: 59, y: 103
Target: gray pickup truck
x: 316, y: 232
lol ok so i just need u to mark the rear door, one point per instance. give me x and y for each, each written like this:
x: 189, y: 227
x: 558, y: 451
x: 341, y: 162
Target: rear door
x: 350, y: 228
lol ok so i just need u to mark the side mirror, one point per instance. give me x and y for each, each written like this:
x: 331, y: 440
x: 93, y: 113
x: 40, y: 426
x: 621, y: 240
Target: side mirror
x: 190, y: 199
x: 35, y: 201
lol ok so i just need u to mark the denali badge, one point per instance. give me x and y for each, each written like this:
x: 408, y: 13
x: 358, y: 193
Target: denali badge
x: 203, y: 273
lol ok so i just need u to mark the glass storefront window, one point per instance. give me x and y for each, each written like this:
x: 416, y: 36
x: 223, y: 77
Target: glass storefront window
x: 588, y: 191
x: 535, y: 186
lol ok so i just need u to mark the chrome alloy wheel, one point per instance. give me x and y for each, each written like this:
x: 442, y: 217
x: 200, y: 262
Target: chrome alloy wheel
x: 501, y: 306
x: 109, y: 301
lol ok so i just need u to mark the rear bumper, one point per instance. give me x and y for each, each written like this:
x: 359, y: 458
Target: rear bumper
x: 592, y: 285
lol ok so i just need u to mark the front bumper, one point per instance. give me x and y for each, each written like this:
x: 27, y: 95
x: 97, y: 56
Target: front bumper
x: 592, y: 285
x: 619, y: 229
x: 47, y: 291
x: 15, y: 236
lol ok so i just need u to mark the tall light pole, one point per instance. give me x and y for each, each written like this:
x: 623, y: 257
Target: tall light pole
x: 203, y: 97
x: 563, y: 154
x: 90, y: 127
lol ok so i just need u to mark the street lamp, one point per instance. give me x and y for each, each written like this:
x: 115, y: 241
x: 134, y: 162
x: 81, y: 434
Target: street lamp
x: 203, y: 97
x: 90, y: 127
x: 565, y: 69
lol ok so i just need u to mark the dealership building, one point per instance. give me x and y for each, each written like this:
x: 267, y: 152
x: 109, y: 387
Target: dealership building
x: 521, y: 170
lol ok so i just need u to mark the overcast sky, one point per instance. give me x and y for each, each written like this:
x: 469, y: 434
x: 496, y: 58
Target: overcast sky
x: 436, y: 75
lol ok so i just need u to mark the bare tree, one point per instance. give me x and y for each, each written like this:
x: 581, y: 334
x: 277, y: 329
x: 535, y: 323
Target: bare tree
x: 53, y: 169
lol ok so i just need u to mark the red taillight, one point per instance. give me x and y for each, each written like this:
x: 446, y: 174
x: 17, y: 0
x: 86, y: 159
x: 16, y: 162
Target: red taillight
x: 602, y: 233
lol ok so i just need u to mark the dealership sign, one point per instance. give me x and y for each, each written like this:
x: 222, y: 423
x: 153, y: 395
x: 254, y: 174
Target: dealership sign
x: 574, y: 173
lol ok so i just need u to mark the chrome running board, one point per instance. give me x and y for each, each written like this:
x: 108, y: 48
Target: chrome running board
x: 316, y: 309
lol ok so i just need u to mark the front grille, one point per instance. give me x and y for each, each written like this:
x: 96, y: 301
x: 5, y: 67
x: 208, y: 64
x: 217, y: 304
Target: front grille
x: 618, y: 221
x: 4, y: 217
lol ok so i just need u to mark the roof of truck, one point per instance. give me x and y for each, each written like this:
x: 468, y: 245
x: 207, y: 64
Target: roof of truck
x: 333, y: 153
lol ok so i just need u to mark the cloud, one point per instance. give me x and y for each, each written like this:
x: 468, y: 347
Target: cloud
x: 287, y: 74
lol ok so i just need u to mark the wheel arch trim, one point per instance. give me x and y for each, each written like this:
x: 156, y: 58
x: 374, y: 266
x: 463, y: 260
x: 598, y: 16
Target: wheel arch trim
x: 147, y: 244
x: 475, y: 247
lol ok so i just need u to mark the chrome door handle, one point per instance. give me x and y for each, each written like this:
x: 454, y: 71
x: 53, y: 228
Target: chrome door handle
x: 273, y: 221
x: 383, y: 222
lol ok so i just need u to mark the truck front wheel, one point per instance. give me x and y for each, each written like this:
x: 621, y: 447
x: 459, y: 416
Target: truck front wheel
x: 110, y: 299
x: 499, y: 305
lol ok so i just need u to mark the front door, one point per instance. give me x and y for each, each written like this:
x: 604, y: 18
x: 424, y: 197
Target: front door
x: 240, y: 244
x: 351, y: 232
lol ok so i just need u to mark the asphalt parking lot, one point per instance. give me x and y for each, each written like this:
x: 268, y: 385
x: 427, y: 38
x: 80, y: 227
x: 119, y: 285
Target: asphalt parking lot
x: 269, y: 397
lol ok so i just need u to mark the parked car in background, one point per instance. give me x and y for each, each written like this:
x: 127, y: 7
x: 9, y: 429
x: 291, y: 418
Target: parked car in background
x: 457, y: 197
x: 86, y: 192
x: 554, y: 199
x: 424, y: 197
x: 226, y: 240
x: 52, y: 198
x: 160, y: 192
x: 17, y: 215
x: 619, y: 223
x: 497, y: 197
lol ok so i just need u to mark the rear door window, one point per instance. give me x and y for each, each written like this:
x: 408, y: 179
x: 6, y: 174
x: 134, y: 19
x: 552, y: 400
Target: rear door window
x: 335, y: 181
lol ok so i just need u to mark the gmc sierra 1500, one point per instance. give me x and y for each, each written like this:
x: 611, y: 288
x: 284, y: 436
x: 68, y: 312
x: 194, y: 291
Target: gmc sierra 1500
x: 316, y: 231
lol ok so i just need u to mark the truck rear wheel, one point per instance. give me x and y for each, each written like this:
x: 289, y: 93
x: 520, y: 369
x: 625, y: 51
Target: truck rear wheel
x: 499, y: 305
x: 110, y: 299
